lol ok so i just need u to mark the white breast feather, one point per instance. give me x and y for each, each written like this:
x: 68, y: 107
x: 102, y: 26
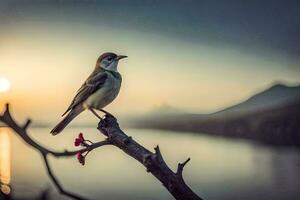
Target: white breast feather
x: 105, y: 95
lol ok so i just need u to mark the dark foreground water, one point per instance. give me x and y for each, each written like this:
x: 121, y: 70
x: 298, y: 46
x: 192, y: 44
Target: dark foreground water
x: 219, y: 168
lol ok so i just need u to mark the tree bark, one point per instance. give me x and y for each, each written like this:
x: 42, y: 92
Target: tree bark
x: 153, y: 162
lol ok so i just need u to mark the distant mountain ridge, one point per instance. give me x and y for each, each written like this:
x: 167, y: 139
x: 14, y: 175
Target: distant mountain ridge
x: 271, y: 116
x: 276, y: 95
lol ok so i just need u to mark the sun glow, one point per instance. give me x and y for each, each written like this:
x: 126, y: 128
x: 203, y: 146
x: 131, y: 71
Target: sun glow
x: 4, y: 85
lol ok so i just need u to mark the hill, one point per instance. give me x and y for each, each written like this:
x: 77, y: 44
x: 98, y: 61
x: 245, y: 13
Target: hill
x: 271, y: 116
x: 277, y: 95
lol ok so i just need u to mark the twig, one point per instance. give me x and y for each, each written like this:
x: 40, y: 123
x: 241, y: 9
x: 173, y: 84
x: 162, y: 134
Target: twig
x: 21, y: 131
x: 181, y: 166
x: 56, y: 182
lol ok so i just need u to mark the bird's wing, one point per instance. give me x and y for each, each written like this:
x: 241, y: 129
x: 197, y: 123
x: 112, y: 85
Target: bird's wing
x: 94, y: 82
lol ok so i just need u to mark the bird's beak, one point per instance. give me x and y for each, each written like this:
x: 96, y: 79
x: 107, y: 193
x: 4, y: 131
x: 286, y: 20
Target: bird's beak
x: 119, y: 57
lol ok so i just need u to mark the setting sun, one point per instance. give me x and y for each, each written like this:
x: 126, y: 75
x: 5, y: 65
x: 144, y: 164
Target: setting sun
x: 4, y: 85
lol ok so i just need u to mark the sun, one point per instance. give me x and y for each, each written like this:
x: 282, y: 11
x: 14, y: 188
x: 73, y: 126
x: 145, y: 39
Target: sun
x: 4, y: 85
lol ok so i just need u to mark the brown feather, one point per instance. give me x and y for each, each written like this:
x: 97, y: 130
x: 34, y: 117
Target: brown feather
x: 94, y: 82
x: 67, y: 119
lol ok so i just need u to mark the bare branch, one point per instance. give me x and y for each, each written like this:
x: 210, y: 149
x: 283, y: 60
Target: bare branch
x: 25, y: 126
x: 72, y: 153
x: 21, y: 131
x: 6, y: 114
x: 56, y: 182
x: 153, y: 162
x: 181, y: 166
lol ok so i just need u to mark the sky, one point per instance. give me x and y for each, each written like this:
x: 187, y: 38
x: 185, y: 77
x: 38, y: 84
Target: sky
x: 198, y: 56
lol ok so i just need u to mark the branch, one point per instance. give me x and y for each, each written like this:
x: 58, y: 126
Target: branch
x: 28, y: 122
x: 21, y: 131
x: 56, y: 182
x: 153, y: 162
x: 181, y: 166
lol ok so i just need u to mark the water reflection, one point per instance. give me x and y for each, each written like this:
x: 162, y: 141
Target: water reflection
x: 5, y: 167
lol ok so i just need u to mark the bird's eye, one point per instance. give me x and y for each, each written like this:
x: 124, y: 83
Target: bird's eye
x: 109, y: 58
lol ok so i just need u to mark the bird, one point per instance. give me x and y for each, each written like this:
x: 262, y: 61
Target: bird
x: 99, y: 90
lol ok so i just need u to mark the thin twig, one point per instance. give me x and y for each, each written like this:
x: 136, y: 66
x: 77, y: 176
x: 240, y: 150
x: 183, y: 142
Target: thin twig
x: 56, y: 182
x: 181, y: 166
x: 22, y: 132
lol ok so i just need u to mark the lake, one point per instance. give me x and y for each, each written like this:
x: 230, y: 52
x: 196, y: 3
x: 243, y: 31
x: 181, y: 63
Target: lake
x: 219, y: 168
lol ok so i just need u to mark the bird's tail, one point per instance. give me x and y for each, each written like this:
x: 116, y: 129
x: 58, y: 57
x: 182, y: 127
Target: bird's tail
x: 67, y: 119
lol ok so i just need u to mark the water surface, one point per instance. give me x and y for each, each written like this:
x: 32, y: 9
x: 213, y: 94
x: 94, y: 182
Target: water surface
x: 219, y: 168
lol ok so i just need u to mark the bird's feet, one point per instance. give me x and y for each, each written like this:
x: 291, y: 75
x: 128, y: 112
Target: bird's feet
x: 107, y: 113
x: 95, y: 113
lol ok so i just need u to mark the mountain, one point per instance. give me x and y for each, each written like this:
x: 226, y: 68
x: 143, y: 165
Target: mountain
x: 278, y: 94
x: 271, y: 116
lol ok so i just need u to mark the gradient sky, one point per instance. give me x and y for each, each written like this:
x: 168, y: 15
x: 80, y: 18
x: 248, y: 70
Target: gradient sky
x: 198, y: 56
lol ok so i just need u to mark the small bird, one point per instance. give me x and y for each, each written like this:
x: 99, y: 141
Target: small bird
x: 99, y: 90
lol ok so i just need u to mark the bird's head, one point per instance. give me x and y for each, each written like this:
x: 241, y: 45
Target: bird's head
x: 109, y: 61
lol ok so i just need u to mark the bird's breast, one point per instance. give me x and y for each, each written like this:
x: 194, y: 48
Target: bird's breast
x: 106, y: 94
